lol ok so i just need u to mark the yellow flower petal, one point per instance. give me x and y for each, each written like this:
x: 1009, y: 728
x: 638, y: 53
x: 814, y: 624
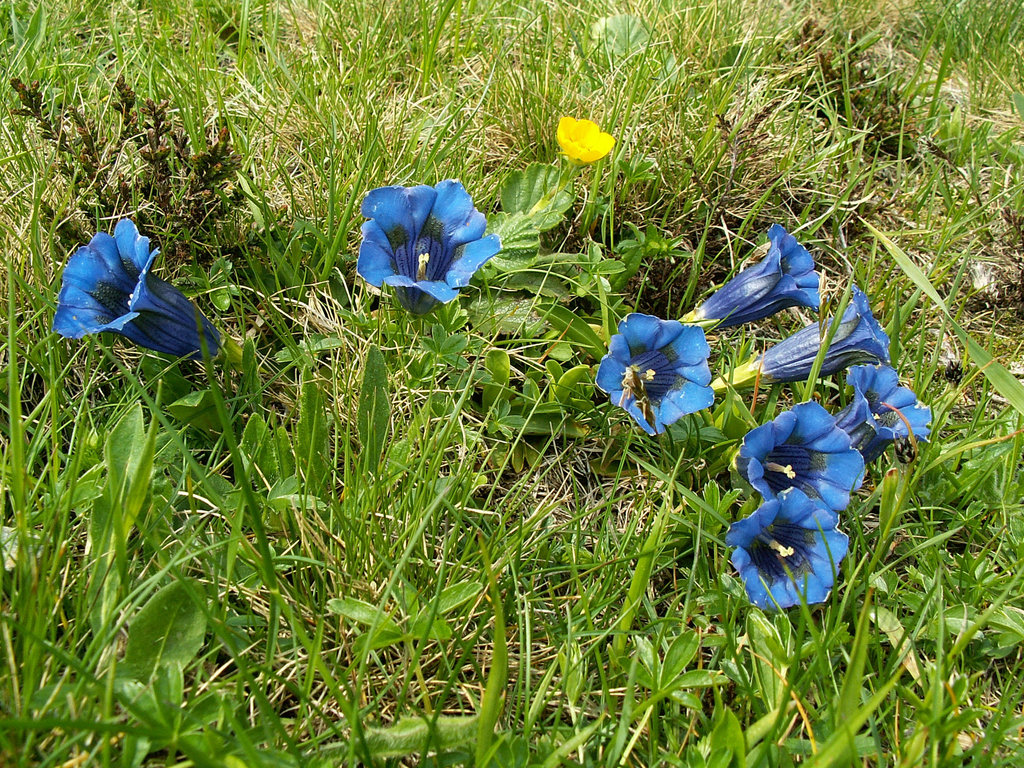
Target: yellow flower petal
x: 582, y: 141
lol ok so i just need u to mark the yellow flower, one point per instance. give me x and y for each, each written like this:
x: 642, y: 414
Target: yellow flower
x: 582, y: 141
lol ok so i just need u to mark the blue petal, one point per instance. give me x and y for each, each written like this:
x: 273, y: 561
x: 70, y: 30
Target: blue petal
x: 168, y: 321
x: 795, y: 259
x: 690, y: 347
x: 618, y: 348
x: 461, y: 222
x: 133, y: 247
x: 399, y: 211
x: 376, y: 259
x: 692, y: 397
x: 609, y: 376
x: 630, y: 406
x: 757, y: 593
x: 440, y: 291
x: 759, y: 441
x: 640, y: 331
x: 470, y: 258
x: 95, y: 290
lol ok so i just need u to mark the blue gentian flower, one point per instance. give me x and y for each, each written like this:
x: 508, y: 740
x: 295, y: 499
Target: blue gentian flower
x: 785, y: 277
x: 787, y: 551
x: 426, y: 242
x: 802, y: 448
x: 881, y: 411
x: 107, y: 286
x: 858, y: 339
x: 657, y: 370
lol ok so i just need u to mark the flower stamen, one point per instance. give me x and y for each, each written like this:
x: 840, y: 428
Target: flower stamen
x: 783, y: 550
x: 786, y: 469
x: 421, y: 270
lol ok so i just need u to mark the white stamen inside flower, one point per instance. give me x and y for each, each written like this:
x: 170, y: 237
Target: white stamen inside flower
x: 421, y: 271
x: 787, y: 469
x: 783, y: 550
x: 649, y: 374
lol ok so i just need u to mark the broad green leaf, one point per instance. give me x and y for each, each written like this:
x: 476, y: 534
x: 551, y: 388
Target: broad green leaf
x: 570, y: 383
x: 374, y: 414
x: 361, y: 612
x: 575, y: 329
x: 311, y: 437
x: 457, y: 594
x: 423, y: 626
x: 620, y: 35
x: 771, y: 662
x: 141, y: 482
x: 197, y: 409
x: 383, y: 631
x: 680, y: 653
x: 1018, y: 102
x: 258, y: 451
x: 168, y: 629
x: 535, y: 193
x: 421, y: 734
x: 123, y: 448
x: 520, y: 241
x: 496, y: 313
x: 726, y: 743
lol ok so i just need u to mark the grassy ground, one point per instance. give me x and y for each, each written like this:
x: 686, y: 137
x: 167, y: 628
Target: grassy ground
x: 480, y: 570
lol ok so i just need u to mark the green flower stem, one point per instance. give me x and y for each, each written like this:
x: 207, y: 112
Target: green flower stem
x: 690, y: 318
x: 741, y: 377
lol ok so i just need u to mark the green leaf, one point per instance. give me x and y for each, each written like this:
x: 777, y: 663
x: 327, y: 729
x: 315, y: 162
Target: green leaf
x: 374, y: 414
x: 535, y: 192
x: 680, y: 653
x: 168, y: 629
x: 492, y: 703
x: 771, y: 660
x: 455, y: 595
x: 124, y: 446
x: 311, y: 437
x: 726, y: 739
x: 620, y: 35
x: 520, y: 241
x: 257, y: 450
x: 383, y: 629
x: 1018, y: 102
x: 423, y: 626
x: 496, y: 313
x: 571, y: 384
x: 421, y: 734
x: 853, y: 680
x: 575, y: 329
x: 197, y: 409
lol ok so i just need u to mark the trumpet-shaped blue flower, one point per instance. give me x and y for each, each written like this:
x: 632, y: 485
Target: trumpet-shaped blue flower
x: 107, y: 286
x: 881, y: 411
x: 785, y: 277
x: 787, y: 551
x: 426, y: 242
x: 657, y: 370
x: 858, y: 339
x: 802, y: 448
